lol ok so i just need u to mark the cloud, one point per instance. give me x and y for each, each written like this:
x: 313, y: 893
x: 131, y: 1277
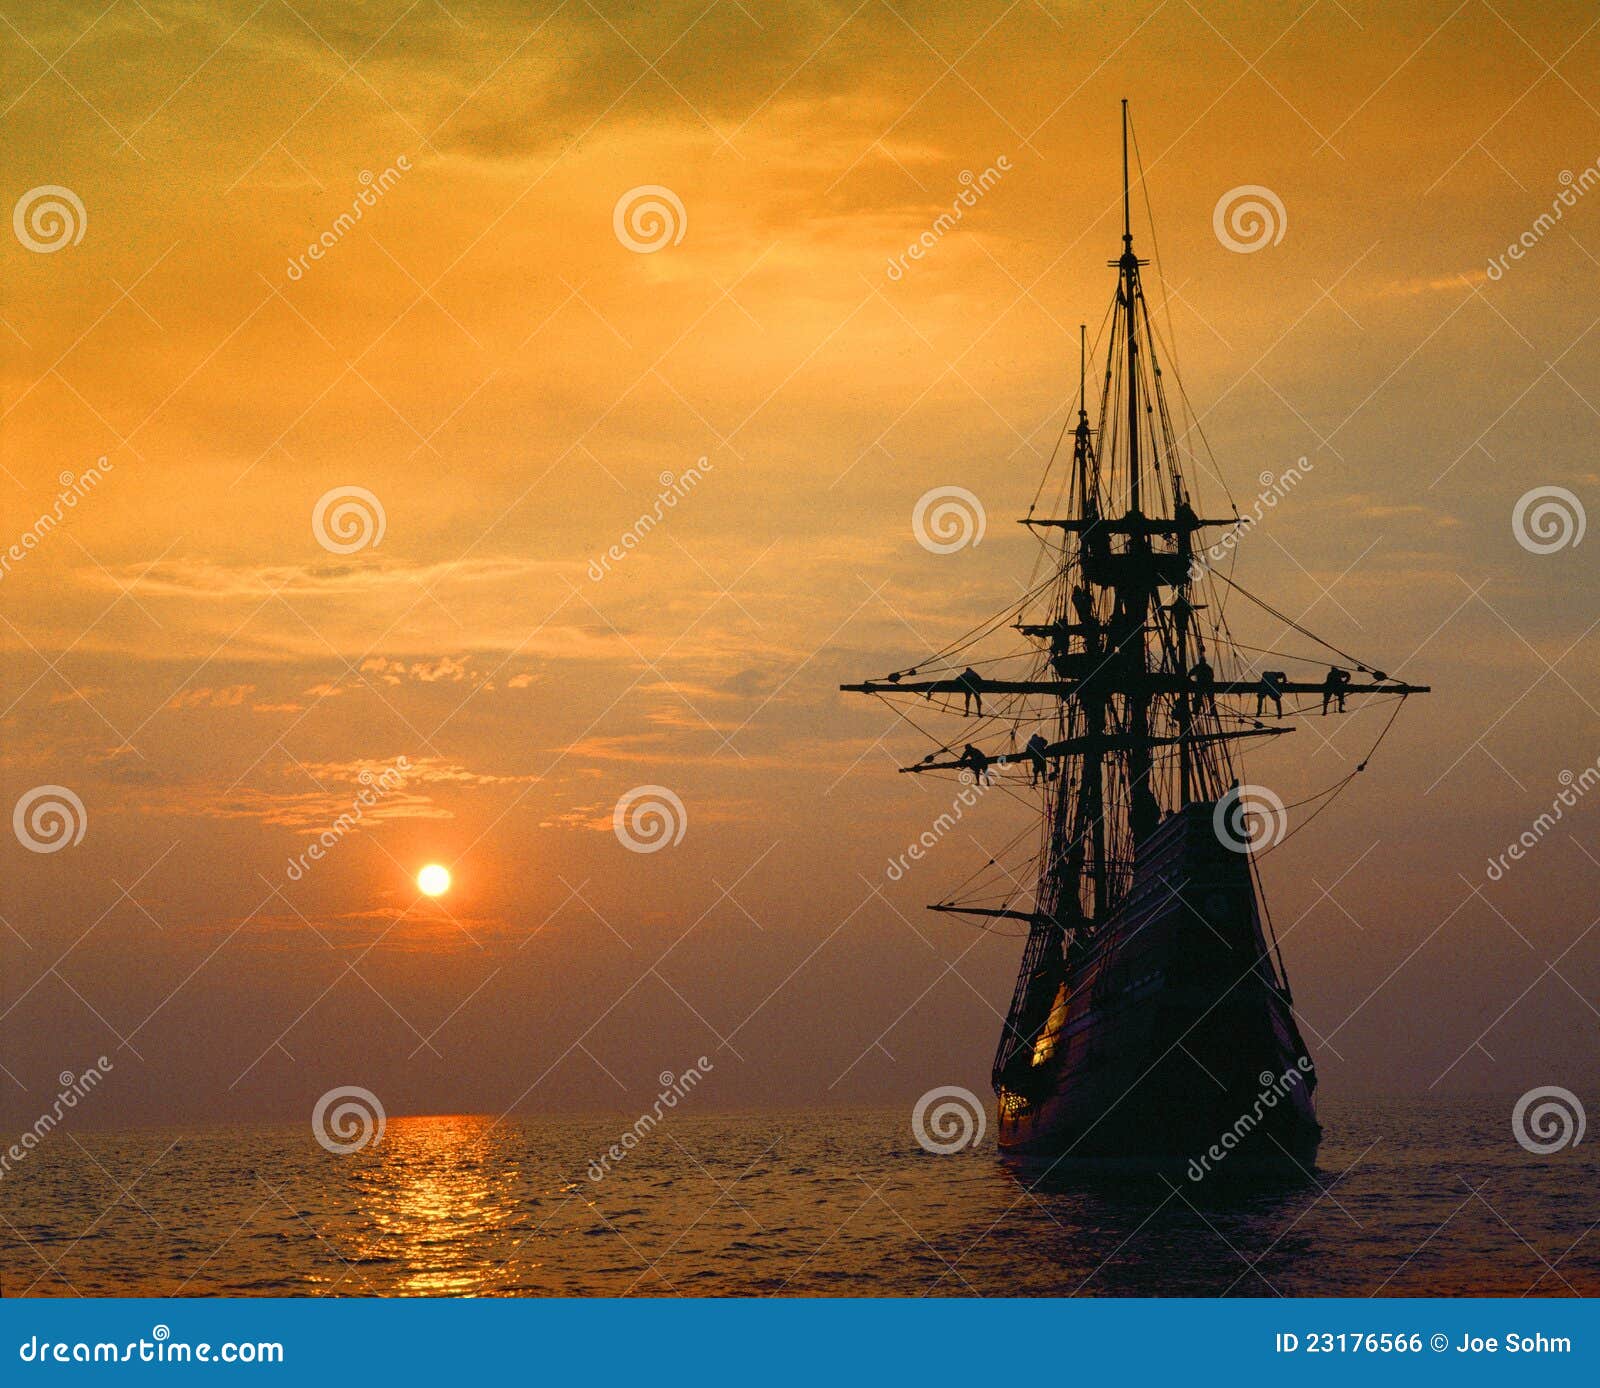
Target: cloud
x: 226, y: 696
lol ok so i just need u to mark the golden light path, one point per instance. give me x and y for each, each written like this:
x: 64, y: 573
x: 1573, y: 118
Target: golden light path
x: 434, y: 880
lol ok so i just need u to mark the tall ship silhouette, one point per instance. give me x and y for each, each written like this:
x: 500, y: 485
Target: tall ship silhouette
x: 1152, y: 1020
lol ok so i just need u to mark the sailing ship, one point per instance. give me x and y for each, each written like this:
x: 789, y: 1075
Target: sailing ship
x: 1152, y: 1022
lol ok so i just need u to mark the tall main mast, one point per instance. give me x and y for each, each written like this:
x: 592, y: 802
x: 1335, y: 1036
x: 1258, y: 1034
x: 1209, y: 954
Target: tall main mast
x: 1134, y: 596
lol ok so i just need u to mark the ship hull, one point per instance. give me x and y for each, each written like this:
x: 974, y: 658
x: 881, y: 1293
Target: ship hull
x: 1173, y: 1044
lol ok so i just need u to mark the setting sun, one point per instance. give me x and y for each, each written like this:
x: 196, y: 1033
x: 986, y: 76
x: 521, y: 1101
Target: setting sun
x: 434, y: 880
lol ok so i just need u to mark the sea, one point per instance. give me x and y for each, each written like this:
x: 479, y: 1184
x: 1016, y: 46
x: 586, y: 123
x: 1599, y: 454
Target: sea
x: 1408, y: 1197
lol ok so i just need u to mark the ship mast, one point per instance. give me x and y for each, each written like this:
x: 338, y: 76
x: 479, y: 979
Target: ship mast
x: 1140, y: 725
x: 1134, y: 599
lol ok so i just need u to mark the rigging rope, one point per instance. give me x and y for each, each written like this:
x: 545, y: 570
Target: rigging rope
x: 1334, y: 791
x: 1290, y: 622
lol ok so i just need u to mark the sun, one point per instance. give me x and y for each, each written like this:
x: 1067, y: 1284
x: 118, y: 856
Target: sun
x: 434, y: 880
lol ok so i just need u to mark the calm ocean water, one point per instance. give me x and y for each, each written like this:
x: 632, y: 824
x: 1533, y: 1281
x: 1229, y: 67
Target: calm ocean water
x: 1410, y: 1198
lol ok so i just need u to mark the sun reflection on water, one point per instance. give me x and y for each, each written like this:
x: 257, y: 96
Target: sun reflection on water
x: 437, y: 1204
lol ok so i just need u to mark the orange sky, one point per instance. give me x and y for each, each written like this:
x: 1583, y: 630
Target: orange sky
x: 482, y: 353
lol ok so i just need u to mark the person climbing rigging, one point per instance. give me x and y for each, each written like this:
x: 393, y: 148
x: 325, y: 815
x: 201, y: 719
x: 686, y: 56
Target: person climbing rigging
x: 1060, y: 650
x: 971, y: 684
x: 1334, y: 686
x: 977, y: 763
x: 1271, y: 687
x: 1204, y: 683
x: 1038, y: 766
